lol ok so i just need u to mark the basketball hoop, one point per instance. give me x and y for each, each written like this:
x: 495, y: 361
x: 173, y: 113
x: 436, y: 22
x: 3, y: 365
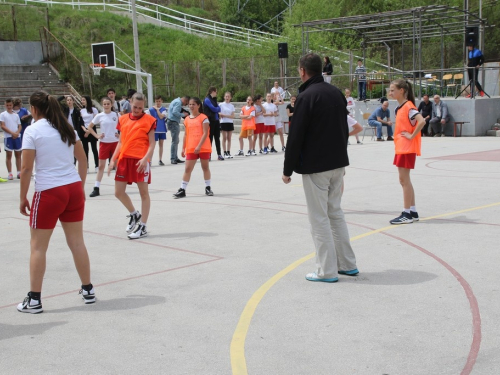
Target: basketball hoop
x: 97, y: 68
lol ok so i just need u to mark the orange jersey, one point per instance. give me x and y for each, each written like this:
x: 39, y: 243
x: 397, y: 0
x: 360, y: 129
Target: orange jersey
x: 194, y: 132
x: 134, y: 136
x: 402, y: 144
x: 245, y: 123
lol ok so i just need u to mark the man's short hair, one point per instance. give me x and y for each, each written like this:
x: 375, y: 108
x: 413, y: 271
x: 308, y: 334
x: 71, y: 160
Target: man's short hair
x: 9, y: 100
x: 311, y: 63
x: 359, y: 60
x: 110, y: 90
x: 158, y: 97
x: 425, y: 95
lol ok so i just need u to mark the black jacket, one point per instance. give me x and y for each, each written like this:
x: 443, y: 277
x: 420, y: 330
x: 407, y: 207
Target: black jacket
x: 317, y: 141
x: 328, y: 69
x: 76, y: 117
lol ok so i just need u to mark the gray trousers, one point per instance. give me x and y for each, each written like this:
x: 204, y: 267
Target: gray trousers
x: 436, y: 125
x: 328, y: 226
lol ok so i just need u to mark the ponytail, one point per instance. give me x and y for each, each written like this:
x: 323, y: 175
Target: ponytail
x: 49, y: 108
x: 407, y: 88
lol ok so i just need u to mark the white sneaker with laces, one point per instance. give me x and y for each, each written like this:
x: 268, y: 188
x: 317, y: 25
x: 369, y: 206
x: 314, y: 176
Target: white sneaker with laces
x: 134, y: 220
x: 139, y: 232
x: 30, y: 306
x: 88, y: 296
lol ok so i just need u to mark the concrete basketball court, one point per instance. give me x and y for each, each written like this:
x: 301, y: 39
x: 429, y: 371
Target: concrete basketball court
x: 218, y: 286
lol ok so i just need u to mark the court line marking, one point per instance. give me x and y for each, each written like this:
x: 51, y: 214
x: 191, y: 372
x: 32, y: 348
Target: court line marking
x: 237, y: 347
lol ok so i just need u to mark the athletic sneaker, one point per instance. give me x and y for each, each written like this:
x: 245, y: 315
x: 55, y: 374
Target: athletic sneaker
x: 353, y: 272
x: 404, y: 218
x: 95, y: 192
x: 389, y: 138
x: 229, y: 156
x: 208, y: 191
x: 249, y: 153
x: 313, y: 276
x: 360, y: 143
x: 240, y: 153
x: 283, y: 148
x: 181, y: 193
x: 139, y: 232
x: 10, y: 177
x: 254, y: 153
x: 273, y: 150
x: 134, y: 220
x: 481, y: 93
x: 414, y: 215
x: 88, y: 297
x: 18, y: 175
x: 260, y: 151
x: 265, y: 151
x: 30, y: 306
x: 220, y: 157
x: 3, y: 179
x: 161, y: 163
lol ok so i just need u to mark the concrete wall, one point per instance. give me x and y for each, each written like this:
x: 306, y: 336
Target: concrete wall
x: 20, y: 53
x: 481, y: 114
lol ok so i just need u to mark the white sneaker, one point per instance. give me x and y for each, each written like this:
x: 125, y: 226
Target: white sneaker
x: 30, y: 306
x: 249, y: 153
x: 134, y: 220
x: 139, y: 232
x: 88, y: 297
x: 10, y: 177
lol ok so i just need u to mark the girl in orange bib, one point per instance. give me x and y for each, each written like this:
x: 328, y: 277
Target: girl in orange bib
x: 196, y: 146
x: 407, y: 140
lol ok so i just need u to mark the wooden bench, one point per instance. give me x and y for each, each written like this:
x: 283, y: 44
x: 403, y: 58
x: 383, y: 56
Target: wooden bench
x: 456, y: 124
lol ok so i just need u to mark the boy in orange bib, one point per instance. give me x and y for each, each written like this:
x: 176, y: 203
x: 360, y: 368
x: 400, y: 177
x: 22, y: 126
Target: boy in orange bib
x: 407, y: 140
x: 196, y: 146
x: 134, y: 151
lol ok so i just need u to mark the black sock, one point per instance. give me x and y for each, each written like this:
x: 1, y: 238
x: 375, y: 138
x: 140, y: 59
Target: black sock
x: 35, y: 295
x: 87, y: 288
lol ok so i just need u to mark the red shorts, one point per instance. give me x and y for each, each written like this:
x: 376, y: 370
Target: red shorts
x: 126, y: 171
x: 65, y: 203
x: 259, y: 128
x: 405, y: 160
x: 201, y: 155
x: 106, y: 150
x: 270, y: 129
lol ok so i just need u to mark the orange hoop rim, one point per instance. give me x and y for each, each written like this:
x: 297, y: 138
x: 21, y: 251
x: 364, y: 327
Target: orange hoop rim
x: 99, y: 65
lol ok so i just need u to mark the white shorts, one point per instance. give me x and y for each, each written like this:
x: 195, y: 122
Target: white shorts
x: 279, y: 125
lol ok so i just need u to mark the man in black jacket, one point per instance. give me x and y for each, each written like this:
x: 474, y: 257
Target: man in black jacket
x: 317, y: 149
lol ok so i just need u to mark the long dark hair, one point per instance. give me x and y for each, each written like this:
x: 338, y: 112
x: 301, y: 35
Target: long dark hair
x: 406, y: 86
x: 49, y: 108
x: 256, y: 97
x: 197, y: 101
x: 88, y: 107
x: 211, y: 89
x: 327, y: 60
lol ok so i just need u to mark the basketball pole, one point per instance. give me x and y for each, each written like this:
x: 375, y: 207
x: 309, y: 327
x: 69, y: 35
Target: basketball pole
x: 137, y: 57
x: 149, y: 77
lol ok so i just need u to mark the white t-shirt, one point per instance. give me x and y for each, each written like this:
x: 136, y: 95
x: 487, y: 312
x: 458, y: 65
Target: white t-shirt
x: 270, y: 108
x: 88, y: 117
x: 53, y: 159
x: 350, y: 104
x: 350, y: 123
x: 226, y: 109
x: 11, y: 122
x: 107, y: 122
x: 277, y: 90
x: 259, y: 116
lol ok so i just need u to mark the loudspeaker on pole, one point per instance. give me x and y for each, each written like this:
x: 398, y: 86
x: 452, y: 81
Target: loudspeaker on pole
x: 283, y: 50
x: 471, y: 35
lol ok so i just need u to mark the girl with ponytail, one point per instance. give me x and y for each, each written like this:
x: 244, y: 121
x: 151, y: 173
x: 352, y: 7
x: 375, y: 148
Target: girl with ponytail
x: 50, y: 144
x: 407, y: 141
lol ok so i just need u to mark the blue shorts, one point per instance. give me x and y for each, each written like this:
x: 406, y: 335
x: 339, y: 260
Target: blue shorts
x: 160, y: 136
x: 12, y: 144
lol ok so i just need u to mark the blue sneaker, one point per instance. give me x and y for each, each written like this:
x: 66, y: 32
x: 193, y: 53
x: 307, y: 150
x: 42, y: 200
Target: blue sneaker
x: 353, y: 272
x: 313, y: 276
x: 265, y: 151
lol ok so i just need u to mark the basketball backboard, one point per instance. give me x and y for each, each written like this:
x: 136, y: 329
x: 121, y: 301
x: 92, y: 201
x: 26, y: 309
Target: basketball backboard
x: 104, y: 53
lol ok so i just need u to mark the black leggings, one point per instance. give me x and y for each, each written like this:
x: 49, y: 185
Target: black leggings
x: 215, y: 133
x: 93, y: 143
x: 473, y: 76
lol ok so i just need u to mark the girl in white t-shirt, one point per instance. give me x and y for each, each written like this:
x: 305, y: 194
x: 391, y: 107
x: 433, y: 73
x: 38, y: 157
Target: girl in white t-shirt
x: 50, y: 144
x: 226, y: 116
x: 259, y: 121
x: 88, y: 113
x: 270, y: 123
x: 278, y: 101
x: 107, y: 121
x: 351, y: 104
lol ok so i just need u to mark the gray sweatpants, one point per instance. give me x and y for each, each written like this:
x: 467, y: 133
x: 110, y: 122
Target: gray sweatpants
x: 328, y: 226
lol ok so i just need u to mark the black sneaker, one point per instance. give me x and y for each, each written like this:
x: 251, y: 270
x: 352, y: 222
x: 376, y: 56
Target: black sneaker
x: 139, y: 232
x: 414, y: 215
x: 404, y: 218
x: 209, y: 191
x: 283, y: 148
x: 30, y: 306
x: 134, y: 219
x: 273, y: 150
x: 88, y: 297
x: 173, y: 162
x: 181, y: 193
x: 161, y: 163
x: 179, y: 161
x: 95, y: 192
x: 240, y: 153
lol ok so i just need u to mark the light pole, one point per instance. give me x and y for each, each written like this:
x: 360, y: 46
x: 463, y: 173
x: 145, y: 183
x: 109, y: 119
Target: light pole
x: 137, y: 57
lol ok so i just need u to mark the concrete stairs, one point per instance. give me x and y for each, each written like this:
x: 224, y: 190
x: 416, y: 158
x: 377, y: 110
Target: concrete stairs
x: 22, y: 80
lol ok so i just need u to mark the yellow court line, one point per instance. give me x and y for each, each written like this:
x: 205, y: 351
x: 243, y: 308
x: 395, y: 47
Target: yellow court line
x: 237, y: 349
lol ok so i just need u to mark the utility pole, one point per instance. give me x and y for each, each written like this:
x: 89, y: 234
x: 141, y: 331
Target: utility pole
x: 137, y: 57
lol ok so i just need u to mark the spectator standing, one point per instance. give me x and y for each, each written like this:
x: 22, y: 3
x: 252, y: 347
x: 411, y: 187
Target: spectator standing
x: 289, y: 111
x: 159, y: 112
x: 440, y: 116
x: 317, y: 149
x: 277, y: 89
x: 327, y: 70
x: 174, y: 115
x: 425, y: 109
x: 226, y: 123
x: 360, y: 72
x: 23, y: 114
x: 111, y: 93
x: 125, y: 103
x: 11, y: 125
x: 382, y: 117
x: 88, y: 113
x: 476, y: 59
x: 211, y: 109
x: 351, y: 104
x: 270, y: 114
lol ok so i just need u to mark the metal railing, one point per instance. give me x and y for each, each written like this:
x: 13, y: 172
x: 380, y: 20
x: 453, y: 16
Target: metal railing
x: 165, y: 16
